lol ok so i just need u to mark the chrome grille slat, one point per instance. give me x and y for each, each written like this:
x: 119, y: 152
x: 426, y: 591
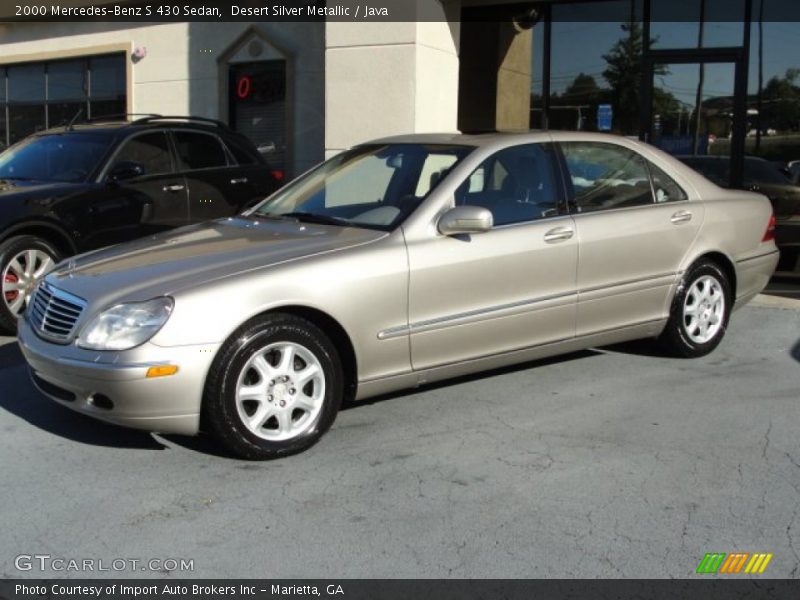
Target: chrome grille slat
x: 52, y: 317
x: 54, y: 313
x: 65, y: 312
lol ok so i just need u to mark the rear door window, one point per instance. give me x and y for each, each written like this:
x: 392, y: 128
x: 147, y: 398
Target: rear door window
x: 606, y: 176
x: 199, y: 150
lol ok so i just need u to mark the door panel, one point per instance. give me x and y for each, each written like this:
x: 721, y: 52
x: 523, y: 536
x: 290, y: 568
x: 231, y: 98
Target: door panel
x: 628, y: 262
x: 154, y: 201
x: 489, y: 293
x: 509, y: 288
x: 634, y: 226
x: 216, y: 188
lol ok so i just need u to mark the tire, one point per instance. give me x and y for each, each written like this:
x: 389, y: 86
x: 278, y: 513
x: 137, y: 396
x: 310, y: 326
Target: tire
x: 698, y: 321
x: 24, y: 260
x: 250, y: 382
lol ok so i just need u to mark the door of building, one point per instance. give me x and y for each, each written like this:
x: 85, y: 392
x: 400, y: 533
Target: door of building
x: 697, y: 108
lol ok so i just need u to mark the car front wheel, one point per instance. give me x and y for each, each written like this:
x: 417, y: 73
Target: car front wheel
x: 24, y: 261
x: 274, y: 388
x: 700, y: 311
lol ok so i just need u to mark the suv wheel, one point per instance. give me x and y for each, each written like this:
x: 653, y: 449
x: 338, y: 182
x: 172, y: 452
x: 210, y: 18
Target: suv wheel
x: 24, y: 261
x: 274, y: 388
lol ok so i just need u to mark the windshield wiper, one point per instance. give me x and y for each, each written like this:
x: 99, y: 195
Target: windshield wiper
x: 10, y: 178
x: 315, y: 218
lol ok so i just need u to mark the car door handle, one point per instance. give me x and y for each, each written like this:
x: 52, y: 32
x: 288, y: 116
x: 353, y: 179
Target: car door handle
x: 239, y: 180
x: 175, y: 187
x: 559, y: 234
x: 682, y: 216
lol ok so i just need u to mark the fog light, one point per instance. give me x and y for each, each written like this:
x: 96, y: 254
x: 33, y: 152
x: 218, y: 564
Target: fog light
x: 162, y: 371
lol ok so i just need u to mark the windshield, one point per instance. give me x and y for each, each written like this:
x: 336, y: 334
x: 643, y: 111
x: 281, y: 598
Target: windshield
x: 375, y: 186
x: 69, y: 157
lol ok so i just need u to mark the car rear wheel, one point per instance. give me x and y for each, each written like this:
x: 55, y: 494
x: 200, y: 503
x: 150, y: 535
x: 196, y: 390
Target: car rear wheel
x: 700, y: 311
x: 24, y: 261
x: 274, y: 388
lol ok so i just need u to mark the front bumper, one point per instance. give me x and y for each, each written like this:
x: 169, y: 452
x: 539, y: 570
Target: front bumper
x: 86, y: 381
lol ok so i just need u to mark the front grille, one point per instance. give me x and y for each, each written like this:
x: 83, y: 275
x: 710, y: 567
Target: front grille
x: 53, y: 313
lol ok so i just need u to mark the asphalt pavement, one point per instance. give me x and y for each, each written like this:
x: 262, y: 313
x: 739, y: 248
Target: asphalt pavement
x: 616, y: 462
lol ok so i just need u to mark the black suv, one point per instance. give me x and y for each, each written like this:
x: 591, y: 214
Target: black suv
x: 73, y: 189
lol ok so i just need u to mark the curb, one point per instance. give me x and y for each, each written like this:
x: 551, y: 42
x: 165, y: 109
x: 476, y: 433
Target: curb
x: 768, y: 301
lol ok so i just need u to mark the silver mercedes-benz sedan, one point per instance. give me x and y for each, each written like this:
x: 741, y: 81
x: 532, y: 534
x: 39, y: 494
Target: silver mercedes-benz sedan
x: 399, y: 262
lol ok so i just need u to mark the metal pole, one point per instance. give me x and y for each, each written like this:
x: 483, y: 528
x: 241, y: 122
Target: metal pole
x: 701, y: 78
x: 760, y: 73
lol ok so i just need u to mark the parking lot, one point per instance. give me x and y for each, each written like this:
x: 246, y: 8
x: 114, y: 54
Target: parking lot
x: 610, y: 463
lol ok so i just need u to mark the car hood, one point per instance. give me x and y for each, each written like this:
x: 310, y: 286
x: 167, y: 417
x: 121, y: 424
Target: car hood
x: 14, y: 189
x: 183, y: 258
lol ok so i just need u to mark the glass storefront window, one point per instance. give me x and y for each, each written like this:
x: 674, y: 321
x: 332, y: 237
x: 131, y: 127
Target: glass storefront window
x: 676, y: 23
x: 66, y: 92
x: 3, y: 128
x: 537, y: 77
x: 107, y: 85
x: 680, y: 125
x: 26, y: 99
x: 595, y: 85
x: 773, y: 100
x: 34, y: 96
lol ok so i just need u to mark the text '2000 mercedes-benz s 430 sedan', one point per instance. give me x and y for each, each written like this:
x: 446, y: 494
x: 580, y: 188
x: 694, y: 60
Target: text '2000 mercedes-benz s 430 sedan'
x: 401, y: 261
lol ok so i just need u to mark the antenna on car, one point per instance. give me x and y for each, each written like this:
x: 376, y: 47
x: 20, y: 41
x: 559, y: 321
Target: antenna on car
x: 70, y: 125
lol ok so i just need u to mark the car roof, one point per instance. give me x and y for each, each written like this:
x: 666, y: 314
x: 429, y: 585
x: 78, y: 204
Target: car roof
x: 489, y: 138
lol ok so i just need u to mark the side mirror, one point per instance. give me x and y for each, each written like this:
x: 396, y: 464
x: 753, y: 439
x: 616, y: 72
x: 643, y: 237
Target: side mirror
x: 126, y: 169
x: 465, y: 219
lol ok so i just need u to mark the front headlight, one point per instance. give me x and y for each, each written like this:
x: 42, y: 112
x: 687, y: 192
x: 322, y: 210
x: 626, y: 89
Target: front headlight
x: 125, y: 326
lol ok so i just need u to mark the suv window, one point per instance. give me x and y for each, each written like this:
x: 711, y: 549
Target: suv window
x: 199, y: 150
x: 149, y: 150
x: 664, y: 186
x: 606, y: 176
x: 516, y: 184
x: 242, y: 154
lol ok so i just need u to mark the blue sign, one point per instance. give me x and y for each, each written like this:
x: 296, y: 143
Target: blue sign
x: 605, y: 116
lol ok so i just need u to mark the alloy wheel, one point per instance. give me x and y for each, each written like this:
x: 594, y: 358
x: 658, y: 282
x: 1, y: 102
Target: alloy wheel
x: 280, y: 391
x: 21, y: 275
x: 703, y: 309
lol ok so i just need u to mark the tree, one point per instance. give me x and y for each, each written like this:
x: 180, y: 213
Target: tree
x: 624, y: 75
x: 582, y: 90
x: 781, y: 102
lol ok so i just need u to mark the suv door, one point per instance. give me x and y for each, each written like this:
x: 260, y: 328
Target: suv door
x: 217, y: 186
x: 149, y: 197
x: 634, y: 224
x: 506, y: 289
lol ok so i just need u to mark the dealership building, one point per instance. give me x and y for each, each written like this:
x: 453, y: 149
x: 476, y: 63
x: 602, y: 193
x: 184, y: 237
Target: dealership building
x: 692, y: 76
